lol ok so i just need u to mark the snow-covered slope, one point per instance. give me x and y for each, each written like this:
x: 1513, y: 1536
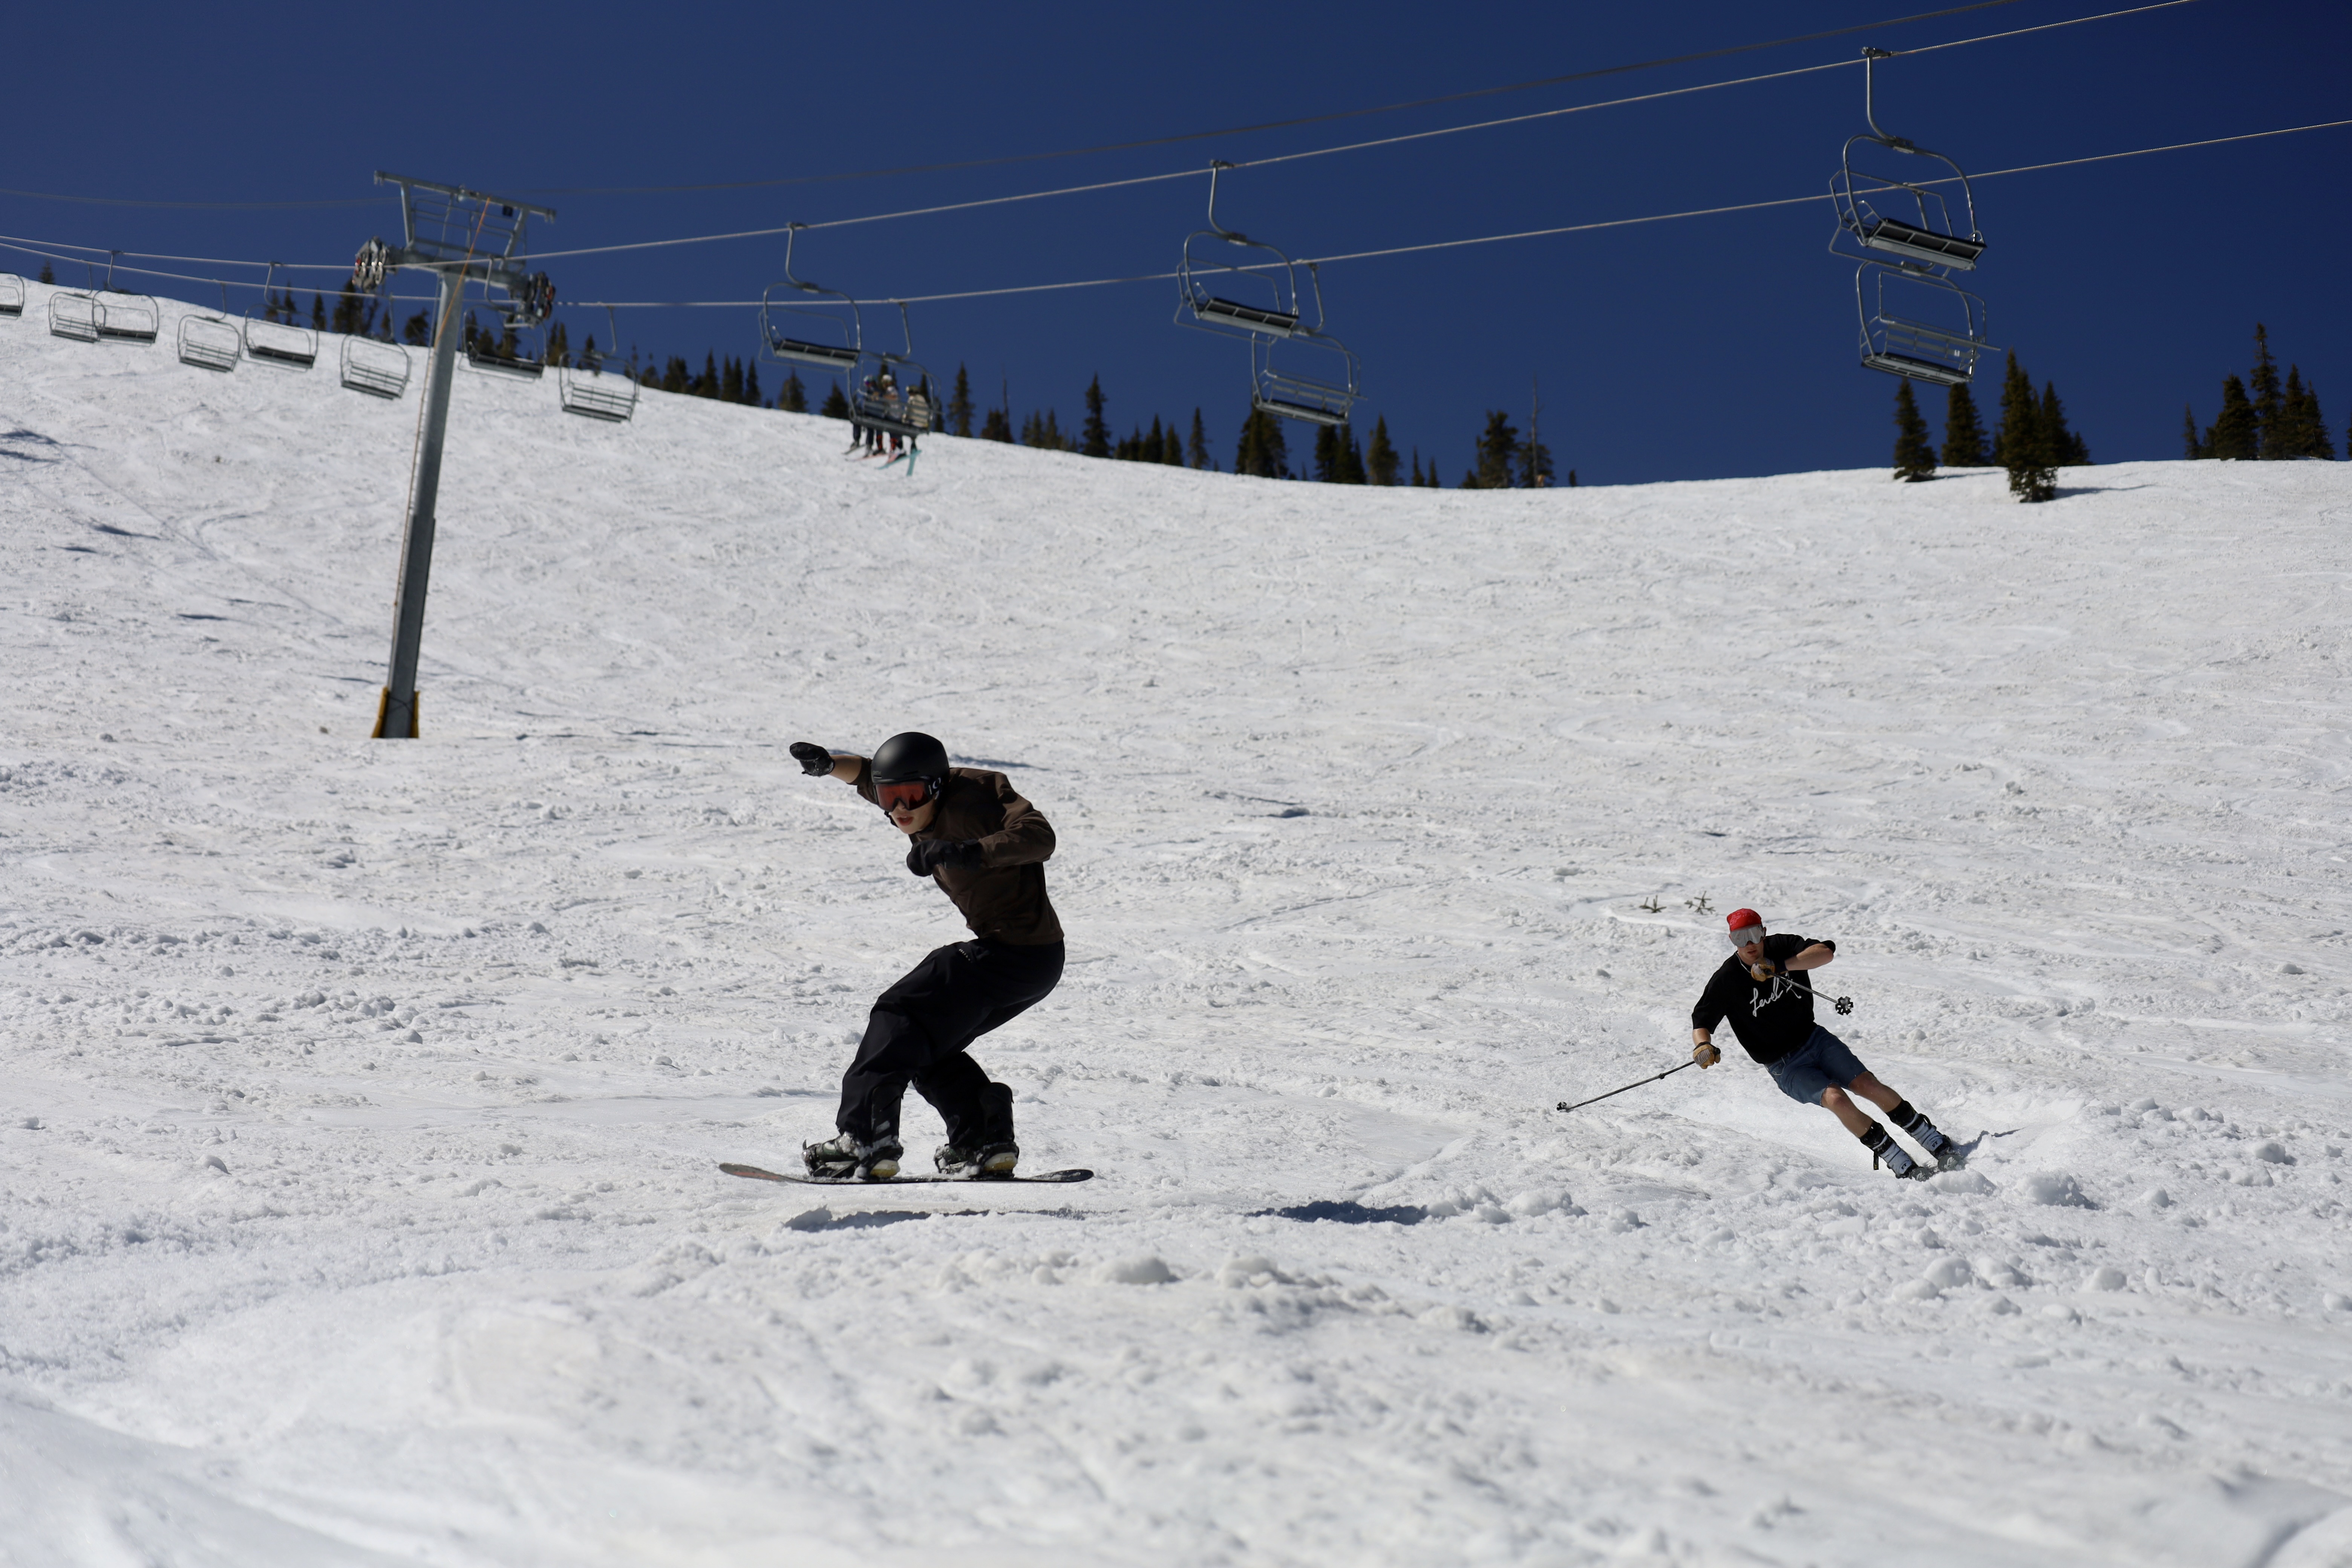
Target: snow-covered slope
x: 362, y: 1100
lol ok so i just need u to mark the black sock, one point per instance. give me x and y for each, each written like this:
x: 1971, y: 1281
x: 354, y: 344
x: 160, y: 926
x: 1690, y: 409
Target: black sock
x: 1905, y: 1116
x: 1874, y: 1139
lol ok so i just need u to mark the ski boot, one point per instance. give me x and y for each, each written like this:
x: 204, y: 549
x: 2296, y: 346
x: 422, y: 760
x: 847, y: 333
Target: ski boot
x: 841, y: 1158
x: 1885, y: 1151
x: 982, y: 1162
x: 1947, y: 1155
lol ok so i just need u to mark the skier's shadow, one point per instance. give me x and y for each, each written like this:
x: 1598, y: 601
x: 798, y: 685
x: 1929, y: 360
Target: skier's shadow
x: 1346, y: 1211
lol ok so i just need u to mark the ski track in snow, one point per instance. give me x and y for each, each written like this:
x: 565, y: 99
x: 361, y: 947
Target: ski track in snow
x: 358, y: 1142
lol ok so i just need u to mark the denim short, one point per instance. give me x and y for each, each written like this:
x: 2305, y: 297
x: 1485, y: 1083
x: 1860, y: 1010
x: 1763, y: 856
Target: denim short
x: 1818, y: 1064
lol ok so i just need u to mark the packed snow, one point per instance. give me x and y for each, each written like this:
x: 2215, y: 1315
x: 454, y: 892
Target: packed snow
x: 363, y: 1104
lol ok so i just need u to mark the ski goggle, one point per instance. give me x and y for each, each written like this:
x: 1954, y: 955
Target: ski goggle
x: 905, y: 794
x: 1746, y: 934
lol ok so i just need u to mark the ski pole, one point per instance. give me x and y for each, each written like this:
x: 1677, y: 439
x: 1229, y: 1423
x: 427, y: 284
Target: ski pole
x: 1668, y: 1073
x: 1844, y: 1003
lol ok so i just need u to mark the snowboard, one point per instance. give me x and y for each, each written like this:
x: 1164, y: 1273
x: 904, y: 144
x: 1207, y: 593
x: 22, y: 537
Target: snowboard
x: 758, y: 1174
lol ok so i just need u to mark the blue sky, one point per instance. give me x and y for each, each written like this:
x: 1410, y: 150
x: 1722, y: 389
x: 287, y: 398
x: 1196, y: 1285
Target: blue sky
x: 1695, y: 349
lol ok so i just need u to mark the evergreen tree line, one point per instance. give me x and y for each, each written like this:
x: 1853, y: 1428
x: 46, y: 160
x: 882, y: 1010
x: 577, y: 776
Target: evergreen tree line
x: 2262, y: 418
x: 1503, y: 462
x: 2033, y: 441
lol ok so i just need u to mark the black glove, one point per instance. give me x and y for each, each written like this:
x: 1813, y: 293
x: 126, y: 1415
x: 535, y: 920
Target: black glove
x: 928, y: 854
x: 813, y: 759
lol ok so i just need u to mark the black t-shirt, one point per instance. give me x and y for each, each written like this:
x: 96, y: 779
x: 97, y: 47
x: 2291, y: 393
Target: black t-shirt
x: 1771, y: 1017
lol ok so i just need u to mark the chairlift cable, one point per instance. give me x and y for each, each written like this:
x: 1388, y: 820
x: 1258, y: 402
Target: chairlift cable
x: 1194, y: 173
x: 31, y: 248
x: 1484, y: 239
x: 1266, y: 125
x: 1324, y: 152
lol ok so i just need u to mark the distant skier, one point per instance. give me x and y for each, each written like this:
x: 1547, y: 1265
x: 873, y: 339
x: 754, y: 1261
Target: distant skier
x: 986, y: 848
x: 1773, y: 1016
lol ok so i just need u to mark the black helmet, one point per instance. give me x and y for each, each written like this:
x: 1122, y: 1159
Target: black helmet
x: 913, y: 755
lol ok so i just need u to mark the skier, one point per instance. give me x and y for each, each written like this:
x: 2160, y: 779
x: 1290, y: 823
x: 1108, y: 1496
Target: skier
x: 1773, y: 1016
x: 986, y: 848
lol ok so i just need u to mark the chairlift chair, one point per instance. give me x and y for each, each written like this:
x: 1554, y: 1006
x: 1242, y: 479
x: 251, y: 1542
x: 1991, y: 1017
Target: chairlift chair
x: 822, y: 329
x: 1929, y: 238
x: 1308, y: 375
x: 12, y: 294
x: 528, y: 300
x: 1919, y: 324
x: 586, y: 390
x: 210, y: 341
x: 277, y: 342
x: 1231, y: 284
x: 893, y: 413
x: 73, y: 314
x: 375, y: 366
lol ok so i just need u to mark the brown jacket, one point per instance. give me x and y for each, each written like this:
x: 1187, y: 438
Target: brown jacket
x: 1003, y: 896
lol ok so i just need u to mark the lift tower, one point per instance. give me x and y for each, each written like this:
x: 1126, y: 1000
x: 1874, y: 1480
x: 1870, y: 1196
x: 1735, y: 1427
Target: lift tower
x: 456, y: 235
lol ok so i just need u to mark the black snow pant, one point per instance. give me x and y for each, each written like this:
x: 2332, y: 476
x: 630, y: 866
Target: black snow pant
x: 920, y: 1030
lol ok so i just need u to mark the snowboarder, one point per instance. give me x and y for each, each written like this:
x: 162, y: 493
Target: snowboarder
x: 1772, y: 1013
x: 986, y: 848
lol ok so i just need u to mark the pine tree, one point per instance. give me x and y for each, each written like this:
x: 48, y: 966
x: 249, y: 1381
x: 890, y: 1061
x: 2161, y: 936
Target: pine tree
x: 2022, y: 446
x: 1197, y: 446
x: 997, y: 426
x: 559, y: 345
x: 347, y: 309
x: 793, y: 396
x: 2191, y: 447
x: 835, y: 405
x: 1147, y: 450
x: 1171, y: 448
x: 2067, y: 449
x: 2263, y: 386
x: 1534, y: 465
x: 730, y: 382
x: 318, y: 313
x: 752, y: 385
x: 1964, y: 437
x: 2301, y: 427
x: 1415, y: 483
x: 1326, y: 453
x: 1380, y: 456
x: 2235, y: 434
x: 1350, y: 457
x: 960, y: 405
x: 1094, y: 434
x: 1264, y: 451
x: 1914, y: 458
x: 1571, y: 479
x: 418, y: 331
x: 49, y: 273
x: 1496, y: 446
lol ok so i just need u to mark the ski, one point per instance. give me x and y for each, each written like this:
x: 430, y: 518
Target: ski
x: 756, y: 1174
x: 1955, y: 1154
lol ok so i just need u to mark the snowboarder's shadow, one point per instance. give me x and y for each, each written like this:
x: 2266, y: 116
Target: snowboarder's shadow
x: 825, y: 1219
x: 1346, y: 1211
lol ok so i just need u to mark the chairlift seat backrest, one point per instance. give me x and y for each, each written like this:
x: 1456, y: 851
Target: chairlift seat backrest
x: 824, y: 356
x: 208, y: 342
x: 1914, y: 369
x: 275, y: 343
x: 491, y: 360
x: 1312, y: 413
x: 1900, y: 238
x: 1251, y: 318
x: 12, y: 294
